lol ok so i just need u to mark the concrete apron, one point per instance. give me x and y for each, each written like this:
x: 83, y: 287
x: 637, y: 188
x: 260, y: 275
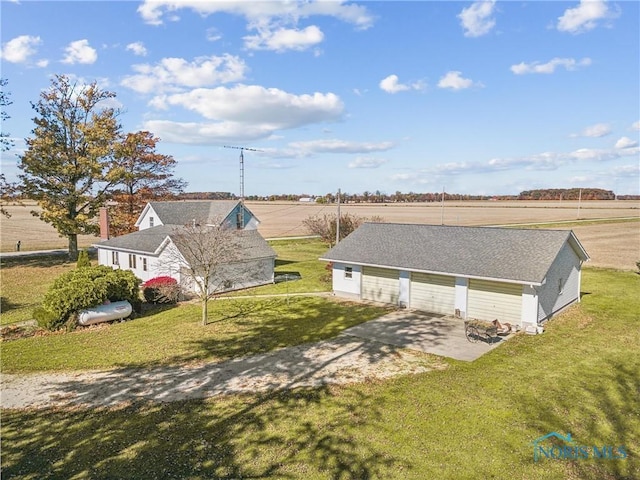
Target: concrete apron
x: 430, y: 333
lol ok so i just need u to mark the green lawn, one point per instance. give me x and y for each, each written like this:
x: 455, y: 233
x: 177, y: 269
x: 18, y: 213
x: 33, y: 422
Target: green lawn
x: 175, y: 335
x: 24, y: 282
x: 297, y: 257
x: 471, y: 420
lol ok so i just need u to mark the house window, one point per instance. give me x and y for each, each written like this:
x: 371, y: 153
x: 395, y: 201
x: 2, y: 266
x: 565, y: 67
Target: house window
x: 348, y: 272
x: 560, y: 286
x: 151, y: 221
x: 132, y: 261
x: 114, y: 258
x: 144, y: 264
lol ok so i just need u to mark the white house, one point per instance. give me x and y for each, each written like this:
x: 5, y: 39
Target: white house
x: 151, y: 251
x: 515, y: 275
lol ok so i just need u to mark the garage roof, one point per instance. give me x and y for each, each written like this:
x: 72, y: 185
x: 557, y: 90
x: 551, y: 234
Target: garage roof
x: 516, y: 255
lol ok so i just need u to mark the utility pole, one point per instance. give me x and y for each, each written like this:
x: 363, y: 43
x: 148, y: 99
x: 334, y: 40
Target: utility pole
x: 579, y: 201
x: 242, y: 149
x: 442, y: 209
x: 338, y: 220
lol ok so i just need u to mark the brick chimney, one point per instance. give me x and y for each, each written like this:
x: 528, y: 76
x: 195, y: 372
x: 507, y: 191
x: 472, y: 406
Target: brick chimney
x: 104, y: 223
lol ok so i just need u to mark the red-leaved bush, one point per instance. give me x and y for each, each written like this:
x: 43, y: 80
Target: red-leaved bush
x: 161, y: 290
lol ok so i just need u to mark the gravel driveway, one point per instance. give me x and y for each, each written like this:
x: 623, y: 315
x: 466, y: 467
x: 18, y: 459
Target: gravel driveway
x: 344, y: 359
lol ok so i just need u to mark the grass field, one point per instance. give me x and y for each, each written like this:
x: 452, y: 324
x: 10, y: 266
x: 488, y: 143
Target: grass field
x: 614, y: 245
x: 471, y: 420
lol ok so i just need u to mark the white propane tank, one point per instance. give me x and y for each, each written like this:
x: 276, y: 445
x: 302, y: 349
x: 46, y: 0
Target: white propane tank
x: 105, y: 313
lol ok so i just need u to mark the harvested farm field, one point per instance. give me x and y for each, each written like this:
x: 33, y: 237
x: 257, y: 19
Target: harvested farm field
x: 609, y: 230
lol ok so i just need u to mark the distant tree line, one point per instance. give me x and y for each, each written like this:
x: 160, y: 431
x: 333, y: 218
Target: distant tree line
x: 424, y: 197
x: 567, y: 194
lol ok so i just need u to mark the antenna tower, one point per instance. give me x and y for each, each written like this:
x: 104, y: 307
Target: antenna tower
x: 242, y: 149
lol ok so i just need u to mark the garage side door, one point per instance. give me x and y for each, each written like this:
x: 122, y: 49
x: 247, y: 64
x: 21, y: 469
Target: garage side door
x: 380, y: 285
x: 433, y: 293
x: 489, y: 300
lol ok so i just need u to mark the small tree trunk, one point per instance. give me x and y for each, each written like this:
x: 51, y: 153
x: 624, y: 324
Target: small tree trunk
x: 73, y: 247
x: 205, y: 311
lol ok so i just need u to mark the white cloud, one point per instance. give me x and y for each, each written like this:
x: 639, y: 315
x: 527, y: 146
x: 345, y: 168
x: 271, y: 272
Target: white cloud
x: 477, y: 20
x: 550, y: 67
x: 635, y: 125
x: 137, y: 48
x: 455, y: 81
x: 391, y: 84
x: 594, y: 131
x: 254, y: 104
x: 626, y: 142
x: 19, y: 49
x: 275, y: 23
x: 173, y: 73
x: 80, y: 52
x: 205, y: 133
x: 244, y: 112
x: 153, y: 11
x: 310, y: 147
x: 213, y: 34
x: 627, y: 169
x: 283, y: 39
x: 546, y: 161
x: 367, y: 162
x: 585, y: 16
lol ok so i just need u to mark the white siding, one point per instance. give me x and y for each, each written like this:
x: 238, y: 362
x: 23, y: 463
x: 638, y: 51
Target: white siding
x: 380, y: 285
x: 342, y: 283
x: 404, y: 289
x: 562, y: 283
x: 489, y: 300
x: 462, y: 288
x: 433, y: 293
x: 529, y: 306
x: 145, y: 222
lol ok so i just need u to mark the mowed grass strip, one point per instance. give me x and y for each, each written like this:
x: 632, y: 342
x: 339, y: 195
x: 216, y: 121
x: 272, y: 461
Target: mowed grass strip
x: 176, y: 335
x: 296, y: 258
x: 24, y: 282
x: 472, y: 420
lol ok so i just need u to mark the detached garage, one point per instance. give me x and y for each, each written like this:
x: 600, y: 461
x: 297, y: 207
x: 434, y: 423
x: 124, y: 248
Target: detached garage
x: 432, y: 293
x: 515, y: 275
x: 380, y: 285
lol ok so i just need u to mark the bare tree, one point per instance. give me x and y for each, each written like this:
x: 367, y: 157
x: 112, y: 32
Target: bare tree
x: 325, y: 226
x: 210, y: 258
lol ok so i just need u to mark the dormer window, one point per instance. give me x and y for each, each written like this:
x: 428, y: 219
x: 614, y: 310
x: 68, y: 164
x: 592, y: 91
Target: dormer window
x: 151, y: 219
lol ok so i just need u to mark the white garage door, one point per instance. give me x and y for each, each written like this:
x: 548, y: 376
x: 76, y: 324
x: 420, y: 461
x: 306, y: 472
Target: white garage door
x: 433, y: 293
x: 380, y: 285
x: 490, y: 300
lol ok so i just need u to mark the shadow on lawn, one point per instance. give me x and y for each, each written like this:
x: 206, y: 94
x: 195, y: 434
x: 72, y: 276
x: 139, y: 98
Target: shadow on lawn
x: 282, y: 435
x: 298, y: 424
x: 605, y: 414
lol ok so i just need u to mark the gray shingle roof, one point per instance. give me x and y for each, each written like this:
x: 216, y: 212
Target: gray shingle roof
x: 517, y: 255
x: 183, y: 212
x: 144, y: 241
x: 149, y: 240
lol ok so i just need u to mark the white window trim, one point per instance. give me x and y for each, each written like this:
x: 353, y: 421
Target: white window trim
x: 348, y: 273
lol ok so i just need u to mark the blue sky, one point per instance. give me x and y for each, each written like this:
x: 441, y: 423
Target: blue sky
x: 476, y: 97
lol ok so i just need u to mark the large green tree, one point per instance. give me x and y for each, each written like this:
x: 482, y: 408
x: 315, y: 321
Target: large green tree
x: 144, y: 175
x: 69, y: 163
